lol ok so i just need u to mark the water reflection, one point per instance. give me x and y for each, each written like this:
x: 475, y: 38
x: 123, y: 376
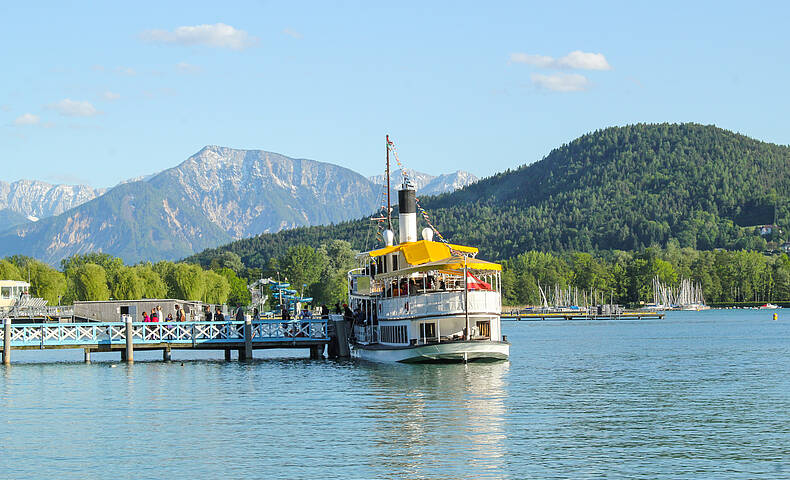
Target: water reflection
x: 445, y: 420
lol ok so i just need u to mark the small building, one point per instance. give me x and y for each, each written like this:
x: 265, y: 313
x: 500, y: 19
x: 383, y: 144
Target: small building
x: 11, y: 292
x: 115, y: 310
x: 769, y: 229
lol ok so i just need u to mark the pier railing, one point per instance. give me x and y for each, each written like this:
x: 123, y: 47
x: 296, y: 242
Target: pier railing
x: 173, y: 333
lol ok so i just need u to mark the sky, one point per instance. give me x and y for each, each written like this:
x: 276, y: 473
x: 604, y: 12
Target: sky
x: 99, y: 92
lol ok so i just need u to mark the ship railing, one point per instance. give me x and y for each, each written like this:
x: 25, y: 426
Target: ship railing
x: 166, y: 332
x: 441, y: 302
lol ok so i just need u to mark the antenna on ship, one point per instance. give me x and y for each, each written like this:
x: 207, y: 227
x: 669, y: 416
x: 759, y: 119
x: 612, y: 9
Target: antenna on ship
x: 389, y: 205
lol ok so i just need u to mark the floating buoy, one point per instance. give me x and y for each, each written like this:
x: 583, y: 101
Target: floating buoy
x: 776, y: 316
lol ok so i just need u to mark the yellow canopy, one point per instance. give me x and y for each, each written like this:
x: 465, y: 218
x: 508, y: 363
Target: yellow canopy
x: 423, y: 251
x: 449, y: 265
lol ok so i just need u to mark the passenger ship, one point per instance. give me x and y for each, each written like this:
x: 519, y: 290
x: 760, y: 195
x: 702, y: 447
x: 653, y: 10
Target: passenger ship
x: 424, y: 301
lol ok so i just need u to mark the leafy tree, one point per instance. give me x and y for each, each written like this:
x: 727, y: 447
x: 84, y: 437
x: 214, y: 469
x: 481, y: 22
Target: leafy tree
x: 216, y: 288
x: 127, y: 285
x: 237, y: 288
x: 186, y: 281
x: 153, y: 285
x: 90, y: 282
x: 302, y: 265
x: 9, y: 271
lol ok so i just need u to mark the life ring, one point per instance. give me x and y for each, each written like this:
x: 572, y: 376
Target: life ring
x: 406, y: 306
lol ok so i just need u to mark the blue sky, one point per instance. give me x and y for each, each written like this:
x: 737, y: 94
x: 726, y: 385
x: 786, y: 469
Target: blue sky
x: 99, y: 92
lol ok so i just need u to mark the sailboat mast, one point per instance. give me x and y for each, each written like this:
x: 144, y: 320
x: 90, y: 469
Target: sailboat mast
x: 389, y: 203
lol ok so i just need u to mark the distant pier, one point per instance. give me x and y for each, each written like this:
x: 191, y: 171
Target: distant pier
x: 582, y: 316
x: 128, y: 337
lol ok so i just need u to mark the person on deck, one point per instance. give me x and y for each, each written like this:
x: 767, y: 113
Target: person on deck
x: 146, y: 318
x: 324, y: 311
x: 218, y: 316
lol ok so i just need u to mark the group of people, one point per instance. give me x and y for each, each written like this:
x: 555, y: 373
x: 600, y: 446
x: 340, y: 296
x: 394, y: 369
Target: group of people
x: 157, y: 316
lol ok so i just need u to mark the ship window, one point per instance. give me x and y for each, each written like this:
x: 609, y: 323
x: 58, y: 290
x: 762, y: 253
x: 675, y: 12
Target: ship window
x: 5, y: 292
x: 394, y: 261
x: 484, y: 328
x: 427, y: 330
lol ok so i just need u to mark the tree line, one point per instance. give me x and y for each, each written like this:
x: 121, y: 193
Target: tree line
x: 627, y: 277
x: 624, y: 277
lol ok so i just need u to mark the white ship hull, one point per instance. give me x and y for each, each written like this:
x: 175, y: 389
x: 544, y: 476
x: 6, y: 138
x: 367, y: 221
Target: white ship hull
x: 456, y: 351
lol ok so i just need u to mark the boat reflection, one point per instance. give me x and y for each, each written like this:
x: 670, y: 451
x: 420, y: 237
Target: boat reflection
x: 445, y: 420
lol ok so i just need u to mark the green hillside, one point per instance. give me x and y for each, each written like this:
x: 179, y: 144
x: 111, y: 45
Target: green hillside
x: 618, y: 188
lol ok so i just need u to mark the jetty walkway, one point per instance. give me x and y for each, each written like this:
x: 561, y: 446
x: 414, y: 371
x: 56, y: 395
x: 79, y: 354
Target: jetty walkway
x: 126, y: 337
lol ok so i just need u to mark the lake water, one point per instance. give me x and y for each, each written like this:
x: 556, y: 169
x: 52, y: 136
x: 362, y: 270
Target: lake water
x: 695, y: 395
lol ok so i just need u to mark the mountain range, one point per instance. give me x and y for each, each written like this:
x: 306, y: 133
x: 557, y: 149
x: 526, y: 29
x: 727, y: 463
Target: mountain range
x: 620, y: 188
x: 30, y: 200
x: 427, y: 184
x: 215, y: 196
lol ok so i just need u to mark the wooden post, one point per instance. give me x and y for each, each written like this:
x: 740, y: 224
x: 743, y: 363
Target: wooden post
x: 87, y: 355
x: 7, y: 341
x: 247, y: 338
x: 317, y: 352
x: 166, y: 356
x: 129, y: 341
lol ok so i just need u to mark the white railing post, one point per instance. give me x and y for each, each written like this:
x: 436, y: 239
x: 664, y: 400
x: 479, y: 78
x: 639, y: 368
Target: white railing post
x: 7, y: 341
x: 247, y: 337
x: 129, y: 340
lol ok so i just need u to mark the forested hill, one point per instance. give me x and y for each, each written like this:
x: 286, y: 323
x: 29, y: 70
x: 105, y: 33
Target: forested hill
x: 617, y: 188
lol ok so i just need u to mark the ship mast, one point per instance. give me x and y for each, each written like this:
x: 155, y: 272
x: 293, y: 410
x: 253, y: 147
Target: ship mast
x: 389, y: 205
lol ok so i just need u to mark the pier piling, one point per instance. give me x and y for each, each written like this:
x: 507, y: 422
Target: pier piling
x: 7, y: 341
x: 166, y: 355
x: 87, y: 355
x: 247, y: 338
x: 129, y: 342
x: 227, y: 354
x: 316, y: 352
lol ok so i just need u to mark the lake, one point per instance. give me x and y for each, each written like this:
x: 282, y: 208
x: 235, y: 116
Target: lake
x: 694, y: 395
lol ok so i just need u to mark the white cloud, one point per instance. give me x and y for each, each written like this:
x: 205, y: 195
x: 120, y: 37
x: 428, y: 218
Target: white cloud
x: 584, y: 61
x: 27, y: 119
x: 185, y: 67
x: 292, y: 33
x: 74, y: 108
x: 218, y: 35
x: 561, y: 82
x: 109, y: 96
x: 576, y: 60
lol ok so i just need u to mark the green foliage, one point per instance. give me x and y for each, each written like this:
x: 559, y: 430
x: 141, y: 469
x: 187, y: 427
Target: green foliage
x: 229, y: 260
x: 153, y: 285
x: 127, y: 285
x: 238, y: 294
x: 185, y: 281
x: 216, y: 287
x: 9, y: 271
x: 90, y: 282
x: 302, y: 265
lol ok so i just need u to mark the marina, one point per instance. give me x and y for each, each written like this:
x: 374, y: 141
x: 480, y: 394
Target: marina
x: 582, y: 315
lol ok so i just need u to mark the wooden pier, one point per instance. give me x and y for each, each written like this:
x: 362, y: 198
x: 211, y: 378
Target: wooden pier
x: 582, y: 316
x: 128, y: 337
